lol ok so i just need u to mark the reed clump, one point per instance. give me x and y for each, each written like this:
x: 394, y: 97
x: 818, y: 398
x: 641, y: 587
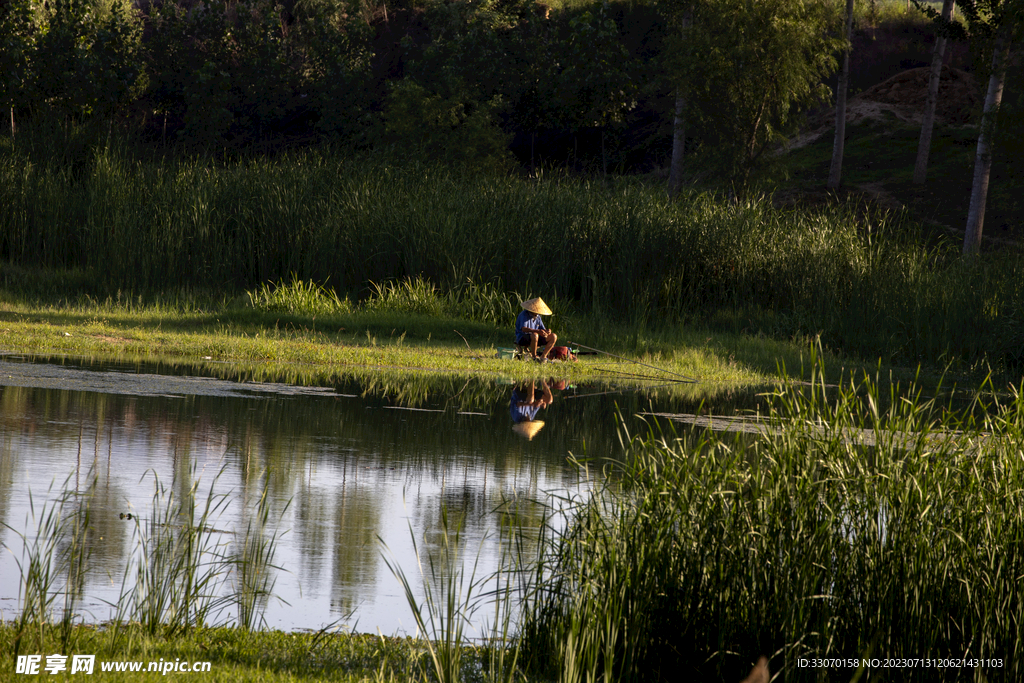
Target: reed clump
x: 298, y: 297
x: 52, y: 566
x: 181, y: 575
x: 424, y: 237
x: 852, y: 527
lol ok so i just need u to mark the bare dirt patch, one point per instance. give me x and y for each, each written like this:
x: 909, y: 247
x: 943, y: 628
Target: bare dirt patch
x: 902, y: 98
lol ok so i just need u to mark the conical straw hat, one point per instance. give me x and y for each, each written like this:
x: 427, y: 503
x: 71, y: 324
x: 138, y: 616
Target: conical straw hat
x: 528, y: 429
x: 536, y: 306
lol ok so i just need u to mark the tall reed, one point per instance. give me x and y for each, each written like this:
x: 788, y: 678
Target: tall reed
x: 448, y: 603
x: 862, y: 279
x: 57, y: 551
x: 75, y: 552
x: 181, y: 567
x: 852, y: 527
x: 253, y: 566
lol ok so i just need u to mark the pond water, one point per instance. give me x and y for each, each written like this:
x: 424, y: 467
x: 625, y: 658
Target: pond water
x: 354, y: 472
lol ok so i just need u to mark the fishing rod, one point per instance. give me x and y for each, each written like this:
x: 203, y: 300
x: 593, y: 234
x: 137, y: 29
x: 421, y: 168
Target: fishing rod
x: 630, y: 360
x: 634, y: 375
x: 615, y: 391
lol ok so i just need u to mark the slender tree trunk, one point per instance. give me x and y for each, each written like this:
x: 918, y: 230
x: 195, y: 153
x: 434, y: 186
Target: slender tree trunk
x: 675, y: 173
x: 928, y: 121
x: 604, y: 155
x: 983, y: 158
x: 835, y: 172
x: 533, y: 166
x: 12, y: 123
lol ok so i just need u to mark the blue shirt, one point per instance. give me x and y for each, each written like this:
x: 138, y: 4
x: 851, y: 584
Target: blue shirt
x: 530, y: 321
x: 522, y: 413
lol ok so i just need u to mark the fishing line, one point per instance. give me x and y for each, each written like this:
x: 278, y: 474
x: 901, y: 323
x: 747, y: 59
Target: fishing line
x: 618, y: 391
x: 634, y: 375
x: 630, y: 360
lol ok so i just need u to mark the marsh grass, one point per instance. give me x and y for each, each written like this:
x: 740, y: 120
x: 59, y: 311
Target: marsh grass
x: 430, y: 239
x: 181, y: 565
x: 180, y: 576
x: 449, y: 601
x: 480, y: 302
x: 454, y: 593
x: 253, y: 566
x: 307, y: 298
x: 56, y: 554
x: 705, y: 551
x: 74, y: 556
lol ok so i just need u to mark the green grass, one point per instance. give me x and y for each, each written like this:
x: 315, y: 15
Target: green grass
x: 310, y: 349
x: 705, y: 551
x: 426, y: 240
x: 238, y: 655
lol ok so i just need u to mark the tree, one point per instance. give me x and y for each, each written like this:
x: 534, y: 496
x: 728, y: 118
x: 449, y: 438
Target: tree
x: 87, y: 58
x: 675, y: 175
x: 835, y: 172
x: 990, y: 22
x: 594, y: 79
x: 928, y: 120
x: 747, y: 67
x: 17, y: 39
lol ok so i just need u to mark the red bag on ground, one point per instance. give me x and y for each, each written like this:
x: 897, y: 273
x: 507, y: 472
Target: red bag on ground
x: 561, y: 353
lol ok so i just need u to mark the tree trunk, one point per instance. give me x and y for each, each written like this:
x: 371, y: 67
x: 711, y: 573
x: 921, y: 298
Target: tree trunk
x: 835, y: 172
x: 604, y: 156
x: 928, y: 121
x: 983, y: 158
x: 675, y: 175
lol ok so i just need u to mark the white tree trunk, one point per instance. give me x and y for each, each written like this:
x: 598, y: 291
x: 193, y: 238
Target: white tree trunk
x: 835, y: 172
x: 675, y: 174
x: 928, y: 121
x: 983, y: 158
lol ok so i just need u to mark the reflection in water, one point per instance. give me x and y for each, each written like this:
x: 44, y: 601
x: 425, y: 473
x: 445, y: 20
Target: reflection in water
x: 344, y: 466
x: 524, y: 406
x: 527, y: 401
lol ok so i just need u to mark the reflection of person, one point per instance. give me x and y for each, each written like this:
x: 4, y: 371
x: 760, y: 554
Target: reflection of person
x: 530, y: 330
x: 525, y: 405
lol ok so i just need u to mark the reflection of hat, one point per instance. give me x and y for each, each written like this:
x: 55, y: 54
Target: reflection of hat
x: 528, y: 429
x: 536, y: 306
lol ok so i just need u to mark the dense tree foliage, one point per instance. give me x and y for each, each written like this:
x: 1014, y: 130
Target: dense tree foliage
x: 747, y: 67
x: 486, y: 82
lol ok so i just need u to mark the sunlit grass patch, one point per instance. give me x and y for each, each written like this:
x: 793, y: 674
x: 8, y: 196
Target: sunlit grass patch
x: 297, y: 296
x: 434, y: 241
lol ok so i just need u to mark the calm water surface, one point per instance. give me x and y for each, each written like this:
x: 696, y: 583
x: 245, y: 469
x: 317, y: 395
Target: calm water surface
x: 353, y: 471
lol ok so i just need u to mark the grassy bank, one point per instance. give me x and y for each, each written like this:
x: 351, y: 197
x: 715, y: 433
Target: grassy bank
x: 617, y: 251
x: 233, y: 655
x: 303, y: 333
x: 389, y: 337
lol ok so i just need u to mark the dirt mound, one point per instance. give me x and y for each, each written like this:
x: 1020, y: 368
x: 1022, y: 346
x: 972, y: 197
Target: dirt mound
x: 908, y: 91
x: 903, y: 97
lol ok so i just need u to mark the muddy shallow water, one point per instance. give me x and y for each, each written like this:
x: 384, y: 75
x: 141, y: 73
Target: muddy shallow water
x: 354, y: 472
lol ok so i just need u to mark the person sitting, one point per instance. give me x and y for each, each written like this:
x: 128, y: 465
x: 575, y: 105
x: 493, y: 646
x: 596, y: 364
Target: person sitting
x: 530, y: 330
